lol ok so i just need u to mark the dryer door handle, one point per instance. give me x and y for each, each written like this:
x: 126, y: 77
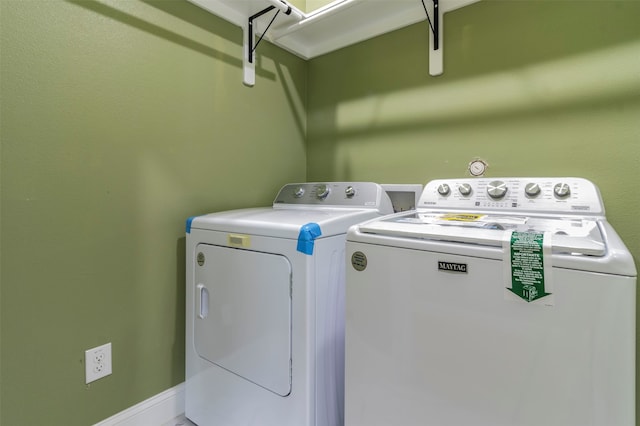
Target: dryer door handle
x: 202, y: 301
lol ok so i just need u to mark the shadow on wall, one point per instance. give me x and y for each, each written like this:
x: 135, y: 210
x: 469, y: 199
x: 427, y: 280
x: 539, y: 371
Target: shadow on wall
x: 220, y: 29
x: 503, y: 60
x: 197, y: 16
x: 578, y: 82
x: 484, y: 38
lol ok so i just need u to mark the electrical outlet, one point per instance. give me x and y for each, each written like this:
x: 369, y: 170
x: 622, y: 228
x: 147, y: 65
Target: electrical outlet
x: 97, y: 362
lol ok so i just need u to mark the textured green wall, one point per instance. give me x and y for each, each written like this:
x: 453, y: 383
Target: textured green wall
x: 119, y: 120
x: 536, y: 88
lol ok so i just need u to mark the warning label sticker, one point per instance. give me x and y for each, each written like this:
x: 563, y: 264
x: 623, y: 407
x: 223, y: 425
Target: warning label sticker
x: 462, y: 217
x: 528, y: 268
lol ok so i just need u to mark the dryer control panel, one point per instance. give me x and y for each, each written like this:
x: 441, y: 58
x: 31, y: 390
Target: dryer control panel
x: 334, y: 194
x: 540, y: 195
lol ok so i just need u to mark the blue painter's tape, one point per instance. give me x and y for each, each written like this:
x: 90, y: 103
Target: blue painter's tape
x: 189, y: 220
x: 308, y: 233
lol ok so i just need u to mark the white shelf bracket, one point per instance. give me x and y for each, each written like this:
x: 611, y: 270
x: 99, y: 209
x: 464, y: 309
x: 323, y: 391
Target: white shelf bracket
x: 249, y: 57
x: 248, y: 67
x: 249, y: 60
x: 436, y: 37
x: 339, y: 24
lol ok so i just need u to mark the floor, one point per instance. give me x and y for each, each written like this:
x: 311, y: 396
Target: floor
x: 179, y: 421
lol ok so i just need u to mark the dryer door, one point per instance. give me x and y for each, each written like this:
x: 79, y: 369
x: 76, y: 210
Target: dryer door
x: 243, y: 314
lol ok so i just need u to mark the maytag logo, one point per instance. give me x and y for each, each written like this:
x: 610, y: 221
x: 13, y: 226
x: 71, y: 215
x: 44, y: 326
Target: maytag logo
x: 452, y: 267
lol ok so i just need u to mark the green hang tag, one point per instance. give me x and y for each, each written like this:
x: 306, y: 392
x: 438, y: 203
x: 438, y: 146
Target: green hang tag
x: 526, y: 262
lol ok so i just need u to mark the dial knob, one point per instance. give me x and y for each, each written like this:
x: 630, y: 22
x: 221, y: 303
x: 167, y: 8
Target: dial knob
x: 561, y: 190
x: 496, y: 189
x: 464, y: 189
x: 444, y: 189
x: 299, y: 192
x: 322, y: 191
x: 532, y: 189
x: 350, y: 191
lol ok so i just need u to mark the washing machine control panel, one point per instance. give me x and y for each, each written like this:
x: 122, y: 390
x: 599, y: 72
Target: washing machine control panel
x: 341, y: 194
x: 542, y: 195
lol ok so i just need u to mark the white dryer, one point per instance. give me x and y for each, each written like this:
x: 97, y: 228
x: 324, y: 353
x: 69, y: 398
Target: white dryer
x: 499, y: 302
x: 265, y: 307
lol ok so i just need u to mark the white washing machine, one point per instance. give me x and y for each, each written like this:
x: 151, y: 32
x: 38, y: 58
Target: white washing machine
x: 499, y: 302
x: 265, y: 307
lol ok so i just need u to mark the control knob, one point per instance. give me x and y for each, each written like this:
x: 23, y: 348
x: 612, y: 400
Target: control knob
x: 443, y: 189
x: 562, y: 190
x: 350, y: 191
x: 532, y: 189
x: 299, y: 192
x: 464, y: 189
x: 496, y: 189
x: 322, y: 191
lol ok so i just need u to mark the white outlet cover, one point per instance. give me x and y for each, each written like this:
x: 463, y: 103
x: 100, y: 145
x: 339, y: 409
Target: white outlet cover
x: 97, y: 362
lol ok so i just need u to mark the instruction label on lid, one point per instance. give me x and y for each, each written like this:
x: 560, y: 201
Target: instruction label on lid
x: 461, y: 217
x: 528, y: 268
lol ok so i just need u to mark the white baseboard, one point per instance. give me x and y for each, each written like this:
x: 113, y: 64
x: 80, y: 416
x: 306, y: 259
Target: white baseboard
x: 154, y: 411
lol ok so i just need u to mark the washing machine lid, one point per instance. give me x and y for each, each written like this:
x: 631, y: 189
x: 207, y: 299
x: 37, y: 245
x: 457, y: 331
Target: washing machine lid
x: 478, y: 215
x: 482, y: 210
x: 567, y: 235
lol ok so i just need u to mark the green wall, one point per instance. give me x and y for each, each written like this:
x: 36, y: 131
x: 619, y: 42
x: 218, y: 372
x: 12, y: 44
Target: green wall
x: 535, y: 88
x: 119, y: 119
